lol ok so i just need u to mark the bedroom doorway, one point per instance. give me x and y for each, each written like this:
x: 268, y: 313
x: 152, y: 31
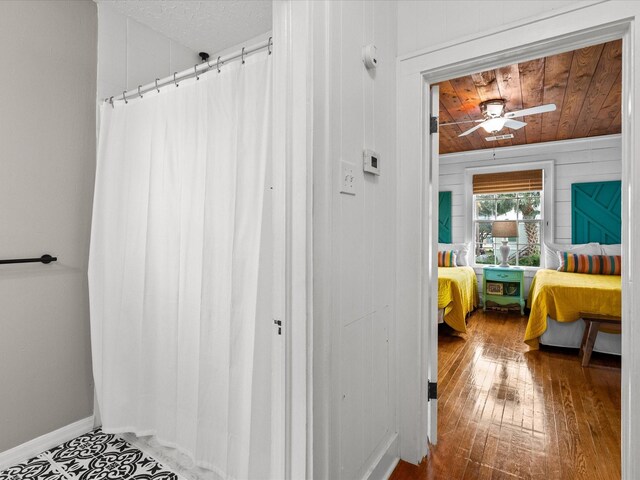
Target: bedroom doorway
x: 453, y: 62
x: 481, y: 361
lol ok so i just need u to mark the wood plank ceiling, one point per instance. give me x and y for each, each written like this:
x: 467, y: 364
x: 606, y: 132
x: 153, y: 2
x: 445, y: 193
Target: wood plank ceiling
x: 585, y: 85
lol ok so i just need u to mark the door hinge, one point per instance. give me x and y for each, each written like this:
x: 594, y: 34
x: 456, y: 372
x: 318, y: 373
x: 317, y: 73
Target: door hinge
x: 278, y: 323
x: 433, y: 125
x: 432, y: 391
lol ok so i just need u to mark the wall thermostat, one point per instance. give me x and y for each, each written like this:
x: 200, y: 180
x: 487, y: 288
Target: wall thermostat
x: 369, y: 56
x: 371, y: 162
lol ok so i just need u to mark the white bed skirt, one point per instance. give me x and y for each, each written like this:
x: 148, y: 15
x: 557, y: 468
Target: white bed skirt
x: 569, y: 334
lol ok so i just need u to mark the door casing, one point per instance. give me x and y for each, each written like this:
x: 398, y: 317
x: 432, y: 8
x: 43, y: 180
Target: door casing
x: 574, y: 28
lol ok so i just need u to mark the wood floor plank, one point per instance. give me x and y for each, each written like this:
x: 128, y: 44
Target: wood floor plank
x: 508, y: 413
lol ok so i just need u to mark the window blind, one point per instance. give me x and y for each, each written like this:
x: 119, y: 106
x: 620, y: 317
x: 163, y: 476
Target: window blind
x: 505, y: 182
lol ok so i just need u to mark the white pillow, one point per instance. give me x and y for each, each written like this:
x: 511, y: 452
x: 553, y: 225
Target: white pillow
x: 461, y: 249
x: 551, y: 252
x: 612, y: 249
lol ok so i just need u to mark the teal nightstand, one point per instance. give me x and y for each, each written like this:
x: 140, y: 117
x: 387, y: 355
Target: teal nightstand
x: 505, y: 286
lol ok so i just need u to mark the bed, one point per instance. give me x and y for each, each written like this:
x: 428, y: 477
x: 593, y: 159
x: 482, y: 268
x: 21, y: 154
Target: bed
x: 457, y: 295
x: 555, y: 300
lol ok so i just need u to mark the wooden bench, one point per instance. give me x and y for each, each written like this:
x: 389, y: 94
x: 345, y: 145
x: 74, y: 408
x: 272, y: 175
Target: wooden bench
x: 593, y: 321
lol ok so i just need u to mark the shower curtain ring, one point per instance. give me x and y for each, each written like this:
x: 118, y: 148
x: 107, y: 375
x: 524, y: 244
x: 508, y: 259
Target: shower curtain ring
x: 242, y: 56
x: 124, y: 95
x: 195, y: 72
x: 218, y: 64
x: 139, y: 93
x: 111, y: 102
x: 269, y: 44
x: 174, y: 79
x: 157, y: 85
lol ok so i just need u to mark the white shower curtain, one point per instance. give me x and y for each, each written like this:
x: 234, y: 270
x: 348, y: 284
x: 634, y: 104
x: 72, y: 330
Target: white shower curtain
x: 179, y: 257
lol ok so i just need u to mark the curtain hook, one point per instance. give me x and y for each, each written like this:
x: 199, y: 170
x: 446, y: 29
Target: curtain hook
x: 269, y: 44
x: 218, y: 64
x: 195, y: 72
x: 174, y: 79
x: 242, y: 55
x: 157, y: 85
x: 111, y: 102
x: 124, y: 95
x: 139, y: 93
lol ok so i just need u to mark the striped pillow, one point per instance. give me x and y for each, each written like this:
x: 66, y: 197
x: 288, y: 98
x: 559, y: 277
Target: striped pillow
x: 596, y: 264
x: 447, y: 258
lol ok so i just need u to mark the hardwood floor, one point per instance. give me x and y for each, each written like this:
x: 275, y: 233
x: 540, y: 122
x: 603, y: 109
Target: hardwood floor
x: 506, y: 413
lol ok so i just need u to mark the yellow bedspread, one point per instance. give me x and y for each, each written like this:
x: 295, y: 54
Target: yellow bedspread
x: 563, y: 295
x: 457, y: 294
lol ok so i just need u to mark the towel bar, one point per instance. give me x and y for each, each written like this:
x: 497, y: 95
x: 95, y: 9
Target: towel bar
x: 43, y: 259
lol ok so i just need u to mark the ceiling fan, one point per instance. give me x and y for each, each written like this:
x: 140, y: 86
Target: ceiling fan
x: 495, y: 118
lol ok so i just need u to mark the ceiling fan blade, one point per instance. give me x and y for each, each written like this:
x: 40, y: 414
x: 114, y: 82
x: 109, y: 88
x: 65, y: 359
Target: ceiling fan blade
x: 514, y: 124
x: 471, y: 130
x: 459, y: 123
x: 550, y: 107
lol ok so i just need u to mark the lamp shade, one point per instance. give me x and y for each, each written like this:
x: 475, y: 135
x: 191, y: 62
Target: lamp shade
x: 504, y: 229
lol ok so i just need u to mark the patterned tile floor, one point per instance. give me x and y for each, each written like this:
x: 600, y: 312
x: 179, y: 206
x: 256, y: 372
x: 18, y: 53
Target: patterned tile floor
x: 93, y: 456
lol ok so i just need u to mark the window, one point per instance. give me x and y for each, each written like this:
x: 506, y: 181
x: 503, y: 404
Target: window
x: 497, y: 198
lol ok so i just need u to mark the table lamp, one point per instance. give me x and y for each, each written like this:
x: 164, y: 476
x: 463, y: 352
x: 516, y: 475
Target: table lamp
x: 504, y: 229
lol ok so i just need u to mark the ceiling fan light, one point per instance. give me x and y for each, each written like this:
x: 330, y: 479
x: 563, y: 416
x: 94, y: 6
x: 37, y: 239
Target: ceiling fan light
x: 494, y: 124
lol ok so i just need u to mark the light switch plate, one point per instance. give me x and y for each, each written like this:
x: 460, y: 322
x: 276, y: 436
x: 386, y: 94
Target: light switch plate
x: 371, y: 162
x: 347, y: 178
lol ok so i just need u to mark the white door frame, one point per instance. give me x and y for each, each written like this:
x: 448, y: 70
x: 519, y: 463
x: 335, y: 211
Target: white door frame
x: 292, y: 453
x: 573, y: 28
x: 430, y: 312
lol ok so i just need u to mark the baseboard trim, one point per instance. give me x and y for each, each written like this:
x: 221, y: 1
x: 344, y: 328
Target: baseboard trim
x: 391, y: 467
x: 386, y: 461
x: 45, y: 442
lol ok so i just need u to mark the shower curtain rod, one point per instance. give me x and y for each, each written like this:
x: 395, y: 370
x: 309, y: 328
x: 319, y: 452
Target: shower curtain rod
x: 197, y: 69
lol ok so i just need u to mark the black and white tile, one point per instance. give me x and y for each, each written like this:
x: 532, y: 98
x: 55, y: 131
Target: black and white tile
x: 93, y: 456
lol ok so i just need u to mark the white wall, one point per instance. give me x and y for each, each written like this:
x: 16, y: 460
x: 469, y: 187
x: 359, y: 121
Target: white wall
x: 423, y: 24
x: 132, y: 54
x: 47, y: 134
x: 263, y: 37
x: 594, y: 159
x: 354, y: 241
